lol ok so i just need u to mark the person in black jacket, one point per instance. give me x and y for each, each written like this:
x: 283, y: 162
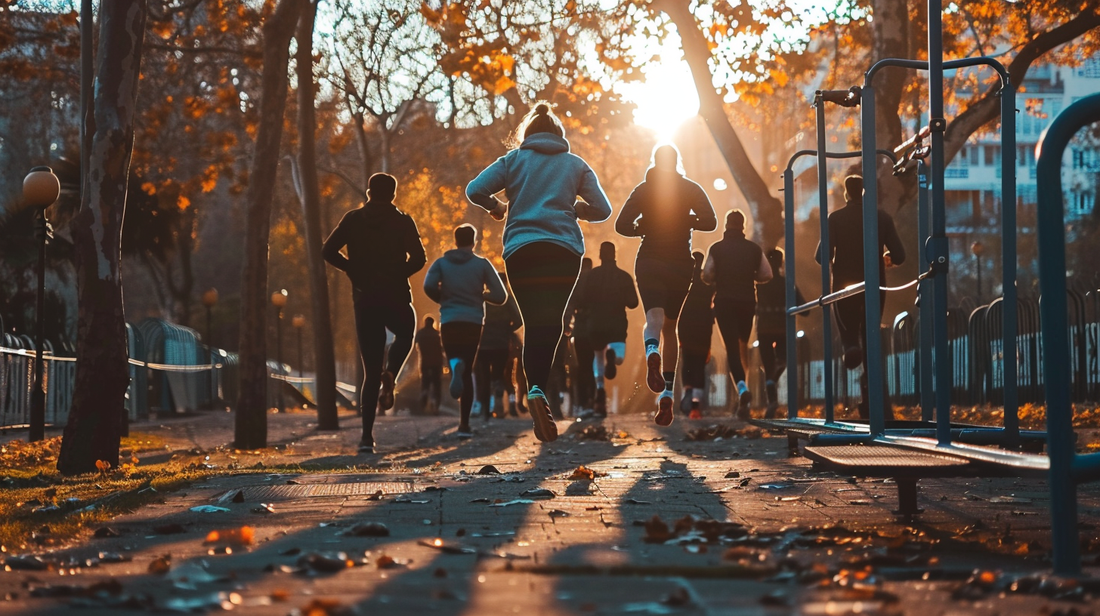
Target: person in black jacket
x: 663, y: 210
x: 845, y: 253
x: 576, y: 328
x: 771, y: 326
x: 696, y: 327
x: 383, y: 250
x: 430, y: 348
x: 734, y: 266
x: 606, y: 296
x: 501, y: 322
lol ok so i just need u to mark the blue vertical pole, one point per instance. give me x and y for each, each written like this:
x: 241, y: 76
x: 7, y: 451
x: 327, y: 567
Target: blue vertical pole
x: 1052, y: 314
x: 825, y: 256
x: 938, y: 247
x: 927, y: 305
x: 1008, y: 262
x: 872, y: 361
x: 788, y: 267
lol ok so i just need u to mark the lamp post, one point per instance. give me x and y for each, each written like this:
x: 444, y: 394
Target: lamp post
x: 278, y: 299
x: 977, y: 248
x: 40, y: 190
x: 299, y: 321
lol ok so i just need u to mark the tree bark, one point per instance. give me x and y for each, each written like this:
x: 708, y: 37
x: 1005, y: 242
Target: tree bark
x: 102, y: 371
x: 324, y: 360
x: 767, y: 210
x: 251, y: 412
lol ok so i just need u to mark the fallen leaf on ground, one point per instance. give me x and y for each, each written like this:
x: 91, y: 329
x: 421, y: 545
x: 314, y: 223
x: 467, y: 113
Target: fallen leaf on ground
x: 160, y: 564
x: 231, y: 536
x: 594, y: 433
x: 323, y: 607
x: 583, y: 473
x: 326, y: 562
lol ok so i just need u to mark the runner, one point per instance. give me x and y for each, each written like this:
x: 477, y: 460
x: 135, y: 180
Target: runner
x: 733, y: 266
x: 846, y: 257
x: 663, y: 210
x: 607, y: 294
x: 771, y: 326
x: 383, y: 250
x: 577, y: 327
x: 461, y: 282
x: 430, y: 349
x: 543, y: 243
x: 696, y: 328
x: 501, y: 322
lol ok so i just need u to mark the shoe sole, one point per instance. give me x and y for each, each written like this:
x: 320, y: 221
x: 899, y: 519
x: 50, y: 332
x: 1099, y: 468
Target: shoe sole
x: 611, y: 370
x: 385, y: 396
x: 664, y: 414
x: 653, y: 377
x: 369, y: 450
x: 456, y: 380
x: 545, y: 428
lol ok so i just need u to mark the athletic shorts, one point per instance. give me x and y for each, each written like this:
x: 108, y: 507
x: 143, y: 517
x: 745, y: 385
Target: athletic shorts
x: 663, y: 283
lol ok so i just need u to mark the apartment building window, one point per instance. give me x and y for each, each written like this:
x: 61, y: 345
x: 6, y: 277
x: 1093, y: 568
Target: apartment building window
x: 1089, y: 69
x: 1083, y: 202
x: 992, y: 155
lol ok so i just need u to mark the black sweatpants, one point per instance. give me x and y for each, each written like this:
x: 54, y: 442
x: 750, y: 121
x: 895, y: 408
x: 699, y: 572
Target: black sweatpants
x: 773, y: 354
x: 693, y: 367
x: 460, y: 341
x: 585, y: 384
x: 490, y: 377
x: 373, y: 316
x: 542, y: 276
x: 735, y: 324
x: 431, y: 379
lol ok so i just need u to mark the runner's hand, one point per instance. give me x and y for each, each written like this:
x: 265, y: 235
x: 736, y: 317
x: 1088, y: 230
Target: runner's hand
x: 499, y: 211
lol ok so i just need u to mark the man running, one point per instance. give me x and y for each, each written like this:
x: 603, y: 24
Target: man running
x: 584, y: 386
x: 696, y: 328
x: 501, y: 322
x: 607, y: 294
x: 383, y: 250
x: 734, y: 266
x: 430, y: 350
x: 846, y: 256
x: 663, y: 210
x: 461, y: 282
x: 771, y: 326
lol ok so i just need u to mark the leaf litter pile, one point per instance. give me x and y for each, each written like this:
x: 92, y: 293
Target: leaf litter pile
x: 723, y: 431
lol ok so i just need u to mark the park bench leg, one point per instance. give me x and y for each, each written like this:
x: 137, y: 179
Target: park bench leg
x: 907, y: 497
x: 792, y: 444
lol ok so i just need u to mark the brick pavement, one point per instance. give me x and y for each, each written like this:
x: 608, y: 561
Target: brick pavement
x: 804, y: 539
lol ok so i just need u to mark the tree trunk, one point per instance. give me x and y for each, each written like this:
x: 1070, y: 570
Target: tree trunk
x: 251, y: 420
x: 324, y: 361
x: 102, y: 372
x: 767, y: 210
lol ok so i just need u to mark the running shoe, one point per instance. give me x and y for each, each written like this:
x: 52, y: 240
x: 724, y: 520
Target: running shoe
x: 599, y: 403
x: 685, y: 402
x: 385, y: 395
x: 464, y: 433
x: 611, y: 369
x: 545, y: 428
x: 654, y: 378
x: 456, y: 379
x: 664, y: 414
x: 366, y: 446
x: 743, y: 394
x: 695, y: 414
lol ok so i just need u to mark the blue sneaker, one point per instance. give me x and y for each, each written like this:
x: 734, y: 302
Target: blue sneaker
x: 545, y: 428
x: 458, y: 370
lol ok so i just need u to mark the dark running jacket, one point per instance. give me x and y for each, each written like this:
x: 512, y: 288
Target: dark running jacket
x: 736, y: 263
x: 607, y: 294
x: 384, y: 249
x: 771, y: 305
x: 663, y: 210
x: 846, y: 244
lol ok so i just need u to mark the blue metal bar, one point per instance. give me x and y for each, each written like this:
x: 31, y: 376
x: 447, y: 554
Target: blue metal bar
x: 1086, y: 467
x: 872, y: 361
x: 1008, y: 263
x: 925, y: 293
x: 788, y: 267
x: 826, y: 284
x: 1052, y: 311
x: 938, y: 242
x: 922, y: 65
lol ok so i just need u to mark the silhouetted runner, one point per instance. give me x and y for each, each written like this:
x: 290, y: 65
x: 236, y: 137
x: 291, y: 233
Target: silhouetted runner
x: 501, y: 323
x: 461, y: 282
x: 696, y: 328
x: 543, y: 243
x: 577, y: 328
x: 430, y: 349
x: 846, y: 256
x: 771, y: 326
x: 383, y: 250
x: 606, y: 295
x: 734, y: 266
x: 663, y: 210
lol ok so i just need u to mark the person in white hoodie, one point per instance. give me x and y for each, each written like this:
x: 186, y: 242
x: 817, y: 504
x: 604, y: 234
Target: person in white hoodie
x: 461, y: 282
x: 543, y: 243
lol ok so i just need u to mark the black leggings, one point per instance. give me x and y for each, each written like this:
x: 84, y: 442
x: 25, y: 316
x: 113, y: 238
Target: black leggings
x: 542, y: 276
x: 735, y: 324
x: 490, y: 377
x: 773, y: 354
x: 372, y: 319
x: 460, y: 341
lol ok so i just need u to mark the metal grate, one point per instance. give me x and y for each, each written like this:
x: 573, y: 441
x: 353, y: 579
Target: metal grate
x: 307, y: 490
x: 868, y: 456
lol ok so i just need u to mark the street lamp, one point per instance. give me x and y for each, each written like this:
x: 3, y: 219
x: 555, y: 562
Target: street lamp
x: 299, y: 321
x: 278, y: 299
x: 977, y: 248
x: 40, y: 190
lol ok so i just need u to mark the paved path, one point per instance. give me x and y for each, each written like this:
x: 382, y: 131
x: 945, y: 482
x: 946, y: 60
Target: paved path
x: 770, y: 537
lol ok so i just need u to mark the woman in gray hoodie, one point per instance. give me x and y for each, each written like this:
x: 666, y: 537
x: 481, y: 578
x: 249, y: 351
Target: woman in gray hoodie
x: 543, y: 243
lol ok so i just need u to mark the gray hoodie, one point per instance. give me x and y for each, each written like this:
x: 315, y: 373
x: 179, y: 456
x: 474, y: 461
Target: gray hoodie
x: 458, y: 280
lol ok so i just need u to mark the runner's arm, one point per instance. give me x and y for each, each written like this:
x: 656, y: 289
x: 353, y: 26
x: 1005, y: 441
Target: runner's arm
x: 595, y: 207
x: 489, y: 182
x: 705, y: 220
x: 330, y: 250
x: 710, y: 269
x: 495, y: 293
x: 764, y: 270
x: 414, y: 248
x: 626, y: 224
x: 894, y: 247
x: 630, y: 292
x: 432, y: 282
